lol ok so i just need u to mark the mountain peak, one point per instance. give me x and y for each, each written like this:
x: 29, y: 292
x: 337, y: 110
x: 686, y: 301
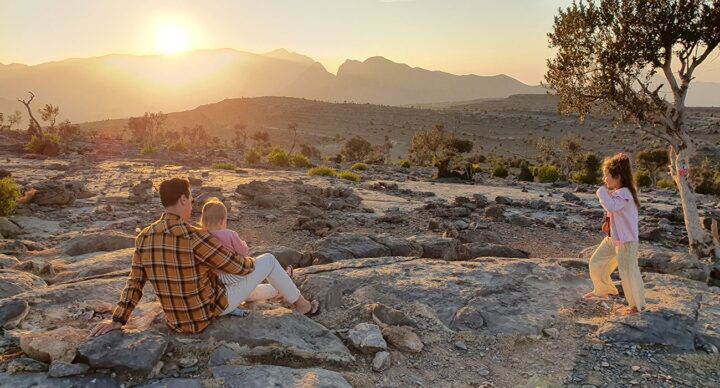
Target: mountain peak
x: 291, y: 56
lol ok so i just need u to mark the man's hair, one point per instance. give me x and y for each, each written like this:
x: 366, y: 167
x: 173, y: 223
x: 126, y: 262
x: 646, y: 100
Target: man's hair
x: 172, y: 189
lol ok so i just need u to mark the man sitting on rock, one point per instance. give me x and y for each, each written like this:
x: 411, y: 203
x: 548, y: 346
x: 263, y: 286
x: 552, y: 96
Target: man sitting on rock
x: 179, y: 261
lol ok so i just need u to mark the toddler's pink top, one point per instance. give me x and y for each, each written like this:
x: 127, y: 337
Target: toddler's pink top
x: 623, y: 214
x: 231, y: 240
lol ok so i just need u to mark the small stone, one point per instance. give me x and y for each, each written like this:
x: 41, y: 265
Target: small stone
x: 65, y: 369
x: 381, y: 361
x: 604, y: 364
x: 187, y: 362
x: 460, y: 345
x: 551, y: 332
x: 403, y: 338
x: 367, y: 338
x: 635, y: 368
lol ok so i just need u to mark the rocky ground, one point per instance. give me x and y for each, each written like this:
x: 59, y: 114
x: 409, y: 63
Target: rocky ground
x: 421, y: 282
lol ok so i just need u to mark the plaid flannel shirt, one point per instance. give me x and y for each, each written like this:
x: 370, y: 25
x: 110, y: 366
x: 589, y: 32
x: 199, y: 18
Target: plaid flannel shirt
x: 178, y: 260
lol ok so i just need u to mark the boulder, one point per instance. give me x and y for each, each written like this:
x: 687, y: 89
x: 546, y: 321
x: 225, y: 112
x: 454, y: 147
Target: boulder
x: 285, y: 256
x: 104, y: 241
x: 13, y: 282
x: 65, y: 369
x: 97, y: 263
x: 141, y: 192
x: 266, y: 332
x: 386, y: 315
x: 25, y: 364
x: 403, y: 338
x: 8, y: 261
x: 399, y: 246
x: 680, y: 313
x: 495, y: 212
x: 570, y: 197
x: 55, y: 194
x: 437, y: 247
x: 12, y: 247
x: 267, y: 201
x: 473, y: 250
x: 478, y: 236
x: 261, y: 376
x: 43, y: 380
x: 253, y: 189
x: 60, y: 344
x: 12, y: 312
x: 367, y: 338
x: 345, y: 246
x: 9, y: 229
x: 519, y: 220
x: 488, y: 295
x: 127, y: 351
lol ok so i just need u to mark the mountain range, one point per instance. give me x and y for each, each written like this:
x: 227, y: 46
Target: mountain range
x: 115, y: 86
x: 119, y: 85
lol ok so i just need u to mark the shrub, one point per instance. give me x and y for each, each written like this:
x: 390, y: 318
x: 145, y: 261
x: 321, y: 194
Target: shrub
x: 9, y: 194
x: 224, y: 166
x: 359, y: 166
x: 179, y: 145
x: 405, y: 163
x: 642, y: 178
x: 356, y: 149
x: 547, y: 173
x: 705, y: 178
x: 665, y: 184
x: 500, y: 171
x: 591, y: 168
x: 279, y: 157
x: 147, y: 149
x: 310, y: 151
x: 525, y: 173
x: 254, y: 156
x: 300, y: 160
x: 322, y: 171
x: 48, y: 144
x: 350, y: 176
x: 475, y: 168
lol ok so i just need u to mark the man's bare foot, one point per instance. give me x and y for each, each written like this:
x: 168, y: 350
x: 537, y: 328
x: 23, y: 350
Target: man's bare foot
x: 592, y: 296
x: 627, y: 311
x: 305, y: 307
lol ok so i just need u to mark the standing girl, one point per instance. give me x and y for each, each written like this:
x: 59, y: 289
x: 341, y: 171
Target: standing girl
x: 619, y: 250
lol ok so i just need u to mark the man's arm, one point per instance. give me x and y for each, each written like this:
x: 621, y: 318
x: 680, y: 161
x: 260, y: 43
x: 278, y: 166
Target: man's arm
x: 129, y: 297
x: 209, y: 250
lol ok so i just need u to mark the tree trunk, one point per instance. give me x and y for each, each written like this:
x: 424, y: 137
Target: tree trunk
x: 700, y: 241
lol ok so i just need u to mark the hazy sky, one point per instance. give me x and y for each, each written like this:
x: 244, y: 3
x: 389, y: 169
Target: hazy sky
x: 484, y: 37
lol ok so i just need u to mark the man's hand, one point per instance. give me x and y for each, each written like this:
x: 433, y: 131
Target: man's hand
x: 104, y: 327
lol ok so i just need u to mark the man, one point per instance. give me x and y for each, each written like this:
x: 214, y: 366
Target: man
x: 178, y: 260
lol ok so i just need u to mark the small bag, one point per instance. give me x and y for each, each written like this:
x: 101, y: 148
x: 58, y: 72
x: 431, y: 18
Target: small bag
x: 606, y: 226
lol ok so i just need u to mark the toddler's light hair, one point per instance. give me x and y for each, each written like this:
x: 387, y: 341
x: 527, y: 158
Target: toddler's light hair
x: 213, y: 214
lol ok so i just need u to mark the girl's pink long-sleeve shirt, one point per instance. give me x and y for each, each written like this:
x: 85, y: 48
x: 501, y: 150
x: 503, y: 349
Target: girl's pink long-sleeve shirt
x: 231, y: 240
x: 623, y: 214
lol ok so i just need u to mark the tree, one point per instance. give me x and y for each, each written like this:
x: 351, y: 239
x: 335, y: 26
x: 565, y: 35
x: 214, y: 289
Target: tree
x: 240, y: 139
x: 14, y: 118
x: 49, y: 113
x: 443, y: 150
x: 572, y: 159
x: 425, y: 146
x: 653, y: 161
x: 356, y: 149
x: 293, y: 130
x: 33, y: 127
x: 147, y: 129
x: 610, y: 54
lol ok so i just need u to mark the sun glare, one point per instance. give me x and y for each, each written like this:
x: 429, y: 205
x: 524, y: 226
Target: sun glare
x: 171, y: 39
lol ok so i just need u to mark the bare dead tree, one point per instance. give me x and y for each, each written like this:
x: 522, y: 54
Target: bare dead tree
x: 33, y: 127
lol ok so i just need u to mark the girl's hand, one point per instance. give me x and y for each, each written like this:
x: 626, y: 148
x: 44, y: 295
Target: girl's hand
x: 606, y: 226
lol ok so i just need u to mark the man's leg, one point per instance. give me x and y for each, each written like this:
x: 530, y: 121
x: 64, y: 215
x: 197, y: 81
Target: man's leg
x: 262, y: 292
x: 278, y: 278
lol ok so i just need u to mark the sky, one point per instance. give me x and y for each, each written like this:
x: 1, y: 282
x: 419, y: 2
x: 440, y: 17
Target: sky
x: 484, y: 37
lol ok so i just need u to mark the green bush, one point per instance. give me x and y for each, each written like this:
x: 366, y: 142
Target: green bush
x: 405, y: 163
x: 359, y: 167
x: 475, y: 168
x: 9, y: 194
x: 525, y: 173
x: 547, y: 173
x: 300, y: 160
x: 224, y: 166
x: 254, y: 156
x: 279, y: 157
x: 350, y: 176
x: 643, y: 179
x: 665, y: 184
x: 48, y: 144
x: 322, y: 171
x: 179, y: 145
x: 147, y: 149
x: 500, y: 171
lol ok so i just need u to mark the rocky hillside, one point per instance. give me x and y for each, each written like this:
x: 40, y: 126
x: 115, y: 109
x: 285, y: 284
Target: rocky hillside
x: 421, y: 282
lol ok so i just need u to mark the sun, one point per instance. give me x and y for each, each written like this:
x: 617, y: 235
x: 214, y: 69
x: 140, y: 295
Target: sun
x: 171, y: 39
